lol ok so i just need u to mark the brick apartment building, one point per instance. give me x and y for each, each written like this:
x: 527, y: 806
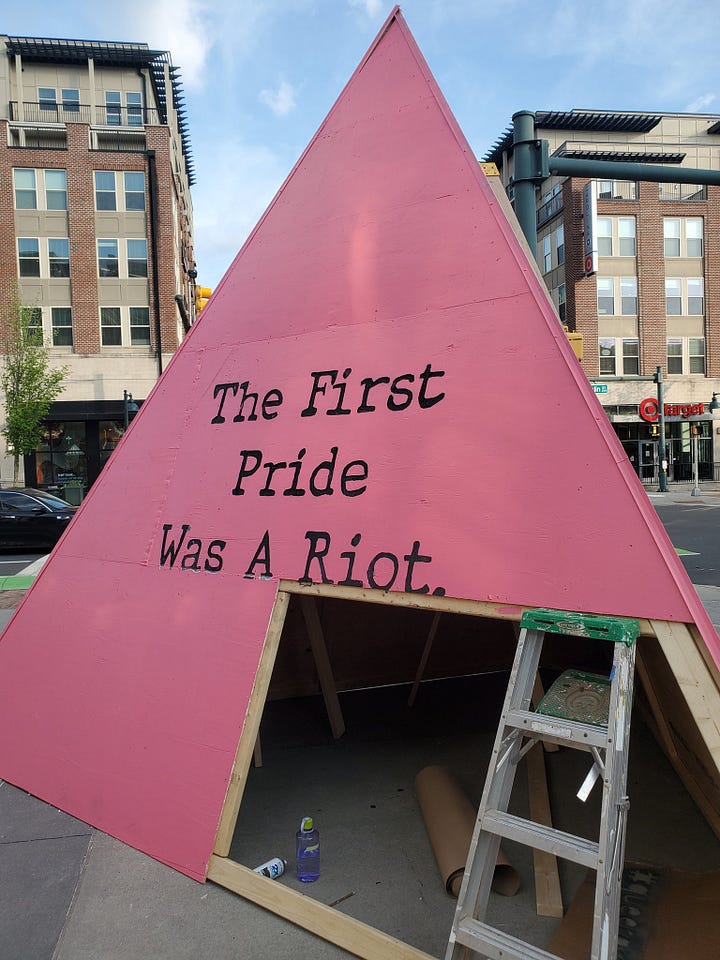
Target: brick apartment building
x: 654, y: 299
x: 96, y: 235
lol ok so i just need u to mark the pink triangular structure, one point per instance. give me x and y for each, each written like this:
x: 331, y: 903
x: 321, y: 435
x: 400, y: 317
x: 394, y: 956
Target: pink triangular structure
x: 492, y: 471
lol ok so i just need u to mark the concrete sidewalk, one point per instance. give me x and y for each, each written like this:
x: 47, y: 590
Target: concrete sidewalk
x: 68, y: 892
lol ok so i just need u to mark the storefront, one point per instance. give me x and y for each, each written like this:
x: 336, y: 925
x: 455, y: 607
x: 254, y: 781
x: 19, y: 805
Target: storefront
x: 688, y: 440
x: 77, y: 442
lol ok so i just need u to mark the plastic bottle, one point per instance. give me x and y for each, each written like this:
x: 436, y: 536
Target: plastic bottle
x: 307, y: 848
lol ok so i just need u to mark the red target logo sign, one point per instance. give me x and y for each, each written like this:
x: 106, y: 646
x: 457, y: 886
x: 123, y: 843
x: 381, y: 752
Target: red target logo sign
x: 648, y: 409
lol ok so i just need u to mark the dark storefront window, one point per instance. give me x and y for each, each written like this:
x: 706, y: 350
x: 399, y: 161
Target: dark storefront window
x: 60, y: 460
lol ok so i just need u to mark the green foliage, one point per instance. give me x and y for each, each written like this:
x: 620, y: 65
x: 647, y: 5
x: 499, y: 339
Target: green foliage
x: 28, y: 382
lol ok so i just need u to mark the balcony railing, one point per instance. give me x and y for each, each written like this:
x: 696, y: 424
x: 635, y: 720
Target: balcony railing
x: 549, y: 209
x: 112, y: 115
x: 680, y: 472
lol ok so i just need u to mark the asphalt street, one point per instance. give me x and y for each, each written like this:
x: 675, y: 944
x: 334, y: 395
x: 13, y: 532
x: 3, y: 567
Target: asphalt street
x: 695, y: 528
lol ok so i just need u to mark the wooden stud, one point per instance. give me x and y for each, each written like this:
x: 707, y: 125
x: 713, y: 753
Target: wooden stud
x: 346, y: 932
x: 251, y: 727
x: 257, y: 753
x: 548, y: 895
x: 322, y: 664
x: 424, y: 658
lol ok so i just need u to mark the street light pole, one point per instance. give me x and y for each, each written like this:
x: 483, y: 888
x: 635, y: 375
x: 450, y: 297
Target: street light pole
x: 694, y: 443
x: 658, y: 378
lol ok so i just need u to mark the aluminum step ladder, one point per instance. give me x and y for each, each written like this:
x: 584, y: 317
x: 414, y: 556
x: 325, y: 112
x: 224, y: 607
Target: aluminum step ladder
x: 582, y: 711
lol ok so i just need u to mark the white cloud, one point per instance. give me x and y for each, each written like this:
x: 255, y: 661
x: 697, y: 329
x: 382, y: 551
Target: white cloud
x: 700, y: 104
x: 281, y: 101
x: 371, y: 7
x: 184, y: 27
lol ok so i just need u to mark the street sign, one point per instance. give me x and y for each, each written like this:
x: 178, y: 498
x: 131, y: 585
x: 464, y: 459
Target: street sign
x: 600, y: 387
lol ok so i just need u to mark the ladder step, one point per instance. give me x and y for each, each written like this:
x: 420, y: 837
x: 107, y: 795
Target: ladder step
x: 532, y: 834
x: 494, y: 943
x: 558, y: 730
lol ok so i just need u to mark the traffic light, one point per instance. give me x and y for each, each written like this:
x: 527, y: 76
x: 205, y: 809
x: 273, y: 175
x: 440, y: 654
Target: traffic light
x: 202, y: 295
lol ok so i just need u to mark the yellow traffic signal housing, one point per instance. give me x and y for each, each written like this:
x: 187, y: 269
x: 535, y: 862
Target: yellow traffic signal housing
x: 576, y: 342
x: 202, y: 295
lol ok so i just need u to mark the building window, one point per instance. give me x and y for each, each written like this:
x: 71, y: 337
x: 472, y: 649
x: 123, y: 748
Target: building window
x: 110, y: 327
x: 626, y: 236
x: 682, y: 191
x: 631, y: 356
x: 47, y: 99
x: 628, y: 296
x: 686, y: 355
x: 134, y: 109
x: 56, y: 189
x: 562, y: 305
x: 33, y: 317
x: 113, y: 107
x: 105, y: 190
x: 606, y: 296
x: 71, y: 100
x: 62, y: 333
x: 25, y: 189
x: 671, y: 233
x: 616, y: 190
x: 29, y: 256
x: 137, y: 258
x: 674, y: 355
x: 607, y: 357
x: 134, y: 191
x: 673, y: 296
x: 604, y: 236
x: 108, y: 258
x: 695, y: 296
x: 140, y: 326
x: 685, y: 296
x: 547, y: 254
x: 560, y: 244
x: 683, y: 236
x: 59, y: 257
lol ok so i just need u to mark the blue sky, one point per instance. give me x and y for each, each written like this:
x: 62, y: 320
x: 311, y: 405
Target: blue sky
x: 260, y: 75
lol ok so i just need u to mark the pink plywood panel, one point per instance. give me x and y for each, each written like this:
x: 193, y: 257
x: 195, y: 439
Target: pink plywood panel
x: 378, y: 394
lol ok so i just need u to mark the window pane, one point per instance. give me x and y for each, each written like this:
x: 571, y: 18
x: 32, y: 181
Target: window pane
x: 674, y: 356
x: 29, y: 256
x: 137, y: 258
x: 62, y: 327
x: 134, y: 109
x: 105, y: 190
x: 71, y: 100
x: 628, y: 294
x: 140, y: 326
x: 25, y: 194
x: 111, y: 328
x: 696, y: 296
x: 631, y: 357
x: 607, y: 357
x: 673, y: 296
x: 696, y: 350
x: 59, y: 257
x: 112, y: 107
x: 33, y: 317
x: 694, y: 237
x: 626, y: 236
x: 606, y: 296
x: 604, y: 236
x: 560, y: 244
x: 108, y: 258
x: 56, y: 189
x: 134, y: 191
x: 47, y: 99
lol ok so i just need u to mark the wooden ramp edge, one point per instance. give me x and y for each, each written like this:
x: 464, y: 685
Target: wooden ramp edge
x: 346, y: 932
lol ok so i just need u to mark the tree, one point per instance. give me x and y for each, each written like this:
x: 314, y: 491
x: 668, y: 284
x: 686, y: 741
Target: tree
x: 28, y: 382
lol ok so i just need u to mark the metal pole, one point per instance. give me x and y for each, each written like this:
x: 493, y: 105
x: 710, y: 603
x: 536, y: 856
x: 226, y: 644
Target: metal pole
x: 661, y: 415
x: 696, y: 478
x: 525, y: 175
x: 621, y: 170
x: 125, y: 408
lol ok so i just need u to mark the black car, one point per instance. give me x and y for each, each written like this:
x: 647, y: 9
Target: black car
x: 31, y: 519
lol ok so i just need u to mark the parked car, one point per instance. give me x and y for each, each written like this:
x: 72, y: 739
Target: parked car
x: 32, y: 519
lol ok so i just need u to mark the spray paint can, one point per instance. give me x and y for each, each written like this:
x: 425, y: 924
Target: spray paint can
x: 272, y: 868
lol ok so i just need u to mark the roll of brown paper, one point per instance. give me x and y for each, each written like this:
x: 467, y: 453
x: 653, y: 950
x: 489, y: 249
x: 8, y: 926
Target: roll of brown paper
x: 450, y: 820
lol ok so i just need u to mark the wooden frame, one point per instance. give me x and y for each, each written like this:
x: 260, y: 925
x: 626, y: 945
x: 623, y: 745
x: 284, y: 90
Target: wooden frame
x: 697, y: 689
